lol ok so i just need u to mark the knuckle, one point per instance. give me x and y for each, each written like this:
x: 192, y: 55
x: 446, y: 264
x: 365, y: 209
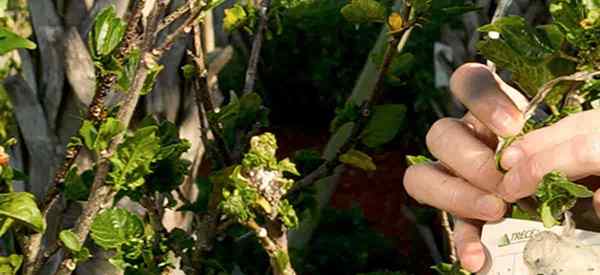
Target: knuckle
x: 586, y: 149
x: 437, y: 134
x: 534, y: 169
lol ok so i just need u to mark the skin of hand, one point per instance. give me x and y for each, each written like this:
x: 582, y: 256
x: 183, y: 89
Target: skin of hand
x: 465, y: 182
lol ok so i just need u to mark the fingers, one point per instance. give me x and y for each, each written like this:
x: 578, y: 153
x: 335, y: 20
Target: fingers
x: 577, y: 157
x: 578, y: 124
x: 428, y: 184
x: 480, y: 131
x: 454, y: 144
x: 468, y: 245
x: 596, y: 202
x: 486, y: 96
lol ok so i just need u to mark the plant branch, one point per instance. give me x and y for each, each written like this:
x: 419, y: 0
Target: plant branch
x: 395, y: 45
x: 96, y: 112
x: 256, y: 47
x: 100, y: 194
x: 173, y: 16
x: 501, y: 10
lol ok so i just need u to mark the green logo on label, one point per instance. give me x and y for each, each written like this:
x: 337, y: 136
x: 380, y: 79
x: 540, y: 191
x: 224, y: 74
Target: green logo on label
x: 516, y: 237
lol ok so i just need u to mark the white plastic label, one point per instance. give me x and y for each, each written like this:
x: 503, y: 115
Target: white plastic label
x: 505, y: 240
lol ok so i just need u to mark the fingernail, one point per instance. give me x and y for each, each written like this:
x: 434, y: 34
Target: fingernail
x: 472, y: 256
x: 491, y: 206
x: 511, y: 156
x: 504, y: 122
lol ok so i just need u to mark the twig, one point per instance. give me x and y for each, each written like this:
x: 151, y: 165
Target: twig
x: 96, y: 112
x: 547, y: 87
x: 450, y: 236
x: 256, y: 47
x: 394, y: 47
x: 100, y: 194
x: 274, y: 241
x: 183, y: 28
x: 173, y: 16
x: 501, y: 10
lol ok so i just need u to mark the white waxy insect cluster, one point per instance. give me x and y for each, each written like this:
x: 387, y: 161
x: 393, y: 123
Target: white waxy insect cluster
x: 548, y: 253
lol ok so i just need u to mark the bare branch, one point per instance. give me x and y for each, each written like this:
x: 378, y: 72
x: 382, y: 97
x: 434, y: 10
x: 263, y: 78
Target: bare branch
x: 256, y: 46
x: 173, y: 16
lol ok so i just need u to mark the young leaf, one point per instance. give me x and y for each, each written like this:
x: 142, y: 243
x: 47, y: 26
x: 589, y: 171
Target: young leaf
x: 9, y: 265
x: 98, y: 139
x: 527, y: 52
x: 364, y: 11
x: 384, y: 124
x: 358, y: 159
x: 115, y: 227
x: 556, y: 194
x: 413, y: 160
x: 107, y: 32
x: 70, y: 240
x: 10, y: 41
x: 131, y: 163
x: 234, y: 18
x: 21, y: 207
x: 77, y: 187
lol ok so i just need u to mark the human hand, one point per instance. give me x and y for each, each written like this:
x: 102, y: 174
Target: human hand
x: 465, y: 180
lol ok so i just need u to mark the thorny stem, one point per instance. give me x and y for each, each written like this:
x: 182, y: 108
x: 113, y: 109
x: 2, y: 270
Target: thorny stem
x: 256, y: 47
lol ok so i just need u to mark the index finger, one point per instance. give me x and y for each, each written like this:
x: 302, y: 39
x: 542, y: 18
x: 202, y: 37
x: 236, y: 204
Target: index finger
x: 489, y: 99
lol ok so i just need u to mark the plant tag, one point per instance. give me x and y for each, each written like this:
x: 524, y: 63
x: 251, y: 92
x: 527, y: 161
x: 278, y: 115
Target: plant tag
x: 505, y: 241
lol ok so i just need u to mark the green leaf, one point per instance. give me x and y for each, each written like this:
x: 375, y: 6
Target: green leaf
x: 364, y: 11
x: 153, y: 70
x: 115, y: 227
x: 70, y: 240
x: 350, y: 112
x: 237, y: 203
x: 556, y: 194
x: 383, y: 125
x: 528, y: 53
x: 99, y: 140
x: 449, y: 269
x: 107, y: 32
x: 188, y: 70
x: 10, y: 264
x: 131, y: 163
x: 518, y: 213
x: 420, y: 159
x: 547, y: 216
x: 287, y: 214
x: 235, y: 17
x: 3, y: 6
x: 10, y: 41
x: 21, y: 207
x: 358, y: 159
x: 77, y: 187
x: 126, y: 74
x: 567, y: 15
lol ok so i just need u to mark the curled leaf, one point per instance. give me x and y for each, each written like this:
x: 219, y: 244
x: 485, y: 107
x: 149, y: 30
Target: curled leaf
x: 358, y: 159
x: 364, y: 11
